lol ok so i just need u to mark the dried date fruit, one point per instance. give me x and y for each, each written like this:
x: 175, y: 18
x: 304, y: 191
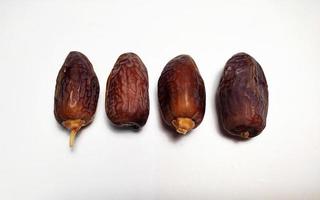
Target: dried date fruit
x: 181, y: 94
x: 242, y: 97
x: 127, y: 96
x: 76, y: 94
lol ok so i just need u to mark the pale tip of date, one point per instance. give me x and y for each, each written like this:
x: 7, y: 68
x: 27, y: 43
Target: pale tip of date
x: 245, y: 135
x: 183, y: 125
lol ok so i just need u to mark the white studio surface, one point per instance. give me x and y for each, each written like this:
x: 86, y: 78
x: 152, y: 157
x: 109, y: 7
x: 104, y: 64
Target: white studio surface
x: 36, y: 162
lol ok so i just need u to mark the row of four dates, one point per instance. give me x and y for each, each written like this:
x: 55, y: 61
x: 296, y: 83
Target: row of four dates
x: 242, y: 95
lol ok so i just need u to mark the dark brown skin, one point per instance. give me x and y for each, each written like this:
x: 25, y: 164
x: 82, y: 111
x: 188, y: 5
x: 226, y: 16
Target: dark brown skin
x: 76, y: 94
x: 181, y: 94
x: 242, y: 97
x: 127, y: 96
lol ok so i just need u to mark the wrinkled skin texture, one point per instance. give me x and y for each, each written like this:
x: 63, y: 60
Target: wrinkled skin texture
x: 76, y: 93
x: 242, y: 97
x: 127, y: 96
x: 181, y: 94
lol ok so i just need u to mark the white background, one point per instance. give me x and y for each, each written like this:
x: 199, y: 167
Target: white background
x: 36, y: 162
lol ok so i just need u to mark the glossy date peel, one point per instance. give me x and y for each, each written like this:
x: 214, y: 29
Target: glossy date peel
x: 181, y: 94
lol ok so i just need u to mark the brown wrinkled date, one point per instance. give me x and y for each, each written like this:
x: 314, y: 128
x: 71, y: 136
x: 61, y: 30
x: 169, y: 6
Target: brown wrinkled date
x: 181, y: 94
x: 76, y: 94
x: 242, y: 97
x: 127, y: 96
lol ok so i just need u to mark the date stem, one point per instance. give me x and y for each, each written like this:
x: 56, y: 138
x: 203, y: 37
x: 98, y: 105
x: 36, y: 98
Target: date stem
x: 74, y: 126
x: 72, y: 138
x: 183, y: 125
